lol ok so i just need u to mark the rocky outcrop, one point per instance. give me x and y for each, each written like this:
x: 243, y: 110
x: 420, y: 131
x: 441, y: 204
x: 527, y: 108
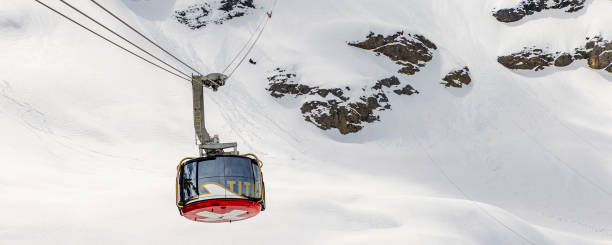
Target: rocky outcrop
x: 411, y: 51
x: 232, y: 5
x: 198, y: 16
x: 333, y: 108
x: 528, y: 59
x: 406, y: 90
x: 457, y: 78
x: 347, y: 118
x: 597, y: 51
x: 281, y: 84
x: 529, y: 7
x: 563, y: 60
x: 341, y: 108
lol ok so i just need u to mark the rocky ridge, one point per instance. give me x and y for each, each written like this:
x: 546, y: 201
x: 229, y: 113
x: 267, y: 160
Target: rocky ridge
x: 529, y: 7
x: 333, y: 108
x: 199, y: 15
x: 597, y: 51
x: 329, y: 108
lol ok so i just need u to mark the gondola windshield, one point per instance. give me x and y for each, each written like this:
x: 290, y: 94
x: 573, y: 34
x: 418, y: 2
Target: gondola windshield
x: 220, y: 177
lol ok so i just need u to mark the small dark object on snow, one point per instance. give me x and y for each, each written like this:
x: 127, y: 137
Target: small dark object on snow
x: 252, y: 62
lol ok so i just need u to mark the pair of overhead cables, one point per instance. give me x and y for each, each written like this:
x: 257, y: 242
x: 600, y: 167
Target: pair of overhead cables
x: 172, y: 69
x: 250, y: 44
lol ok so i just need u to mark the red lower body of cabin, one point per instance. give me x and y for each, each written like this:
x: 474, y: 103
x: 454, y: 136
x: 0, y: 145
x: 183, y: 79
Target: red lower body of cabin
x: 221, y: 210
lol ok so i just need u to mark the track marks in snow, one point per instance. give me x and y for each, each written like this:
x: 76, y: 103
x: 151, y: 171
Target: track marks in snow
x: 30, y: 117
x: 39, y: 123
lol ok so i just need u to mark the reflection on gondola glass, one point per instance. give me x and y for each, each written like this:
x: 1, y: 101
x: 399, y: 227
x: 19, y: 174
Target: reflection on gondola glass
x: 257, y: 181
x: 221, y: 177
x: 190, y: 190
x: 239, y: 176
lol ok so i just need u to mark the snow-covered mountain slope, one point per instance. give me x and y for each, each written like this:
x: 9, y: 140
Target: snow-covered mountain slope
x: 90, y: 136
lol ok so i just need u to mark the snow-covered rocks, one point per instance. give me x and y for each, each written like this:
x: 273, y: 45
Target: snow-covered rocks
x: 333, y: 107
x: 529, y: 7
x: 348, y: 110
x: 530, y: 58
x: 597, y: 51
x: 409, y: 50
x: 217, y: 12
x: 457, y: 78
x: 281, y: 85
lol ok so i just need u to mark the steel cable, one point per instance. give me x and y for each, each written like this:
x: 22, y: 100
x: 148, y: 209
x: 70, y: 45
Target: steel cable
x: 145, y: 37
x: 256, y: 40
x: 246, y: 44
x: 250, y: 49
x: 123, y: 38
x: 110, y: 41
x: 468, y: 197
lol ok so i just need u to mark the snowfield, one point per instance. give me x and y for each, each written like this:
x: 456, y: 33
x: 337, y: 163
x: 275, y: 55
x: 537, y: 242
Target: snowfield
x: 90, y: 136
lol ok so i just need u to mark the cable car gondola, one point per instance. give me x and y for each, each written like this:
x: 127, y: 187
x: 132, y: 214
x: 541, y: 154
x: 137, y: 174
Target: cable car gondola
x: 222, y: 188
x: 218, y: 186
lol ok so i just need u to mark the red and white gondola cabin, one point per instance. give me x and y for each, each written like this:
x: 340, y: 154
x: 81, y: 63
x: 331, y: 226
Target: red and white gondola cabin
x: 221, y: 188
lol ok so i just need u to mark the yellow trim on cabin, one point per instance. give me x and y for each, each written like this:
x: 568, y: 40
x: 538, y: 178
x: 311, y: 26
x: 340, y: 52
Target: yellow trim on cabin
x: 260, y: 164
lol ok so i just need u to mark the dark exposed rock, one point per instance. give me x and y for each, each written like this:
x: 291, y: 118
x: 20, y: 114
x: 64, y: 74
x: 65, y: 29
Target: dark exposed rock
x: 346, y: 118
x: 197, y: 16
x: 509, y: 15
x: 349, y: 117
x: 600, y: 61
x: 409, y: 69
x: 527, y: 59
x: 191, y: 16
x: 458, y: 78
x: 529, y: 7
x: 597, y: 51
x: 411, y: 51
x: 563, y: 60
x: 229, y: 5
x: 406, y: 90
x: 408, y: 50
x: 338, y: 111
x: 281, y: 85
x: 387, y: 82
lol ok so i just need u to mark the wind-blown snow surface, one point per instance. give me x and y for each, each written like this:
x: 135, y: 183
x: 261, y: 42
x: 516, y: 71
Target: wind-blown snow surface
x: 90, y: 136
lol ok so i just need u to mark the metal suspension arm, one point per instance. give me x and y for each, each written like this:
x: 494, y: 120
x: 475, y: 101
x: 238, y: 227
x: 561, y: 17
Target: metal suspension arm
x: 198, y: 111
x: 208, y: 145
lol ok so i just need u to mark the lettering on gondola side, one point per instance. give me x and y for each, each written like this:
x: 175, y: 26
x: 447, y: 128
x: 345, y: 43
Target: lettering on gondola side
x: 247, y: 186
x: 239, y: 188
